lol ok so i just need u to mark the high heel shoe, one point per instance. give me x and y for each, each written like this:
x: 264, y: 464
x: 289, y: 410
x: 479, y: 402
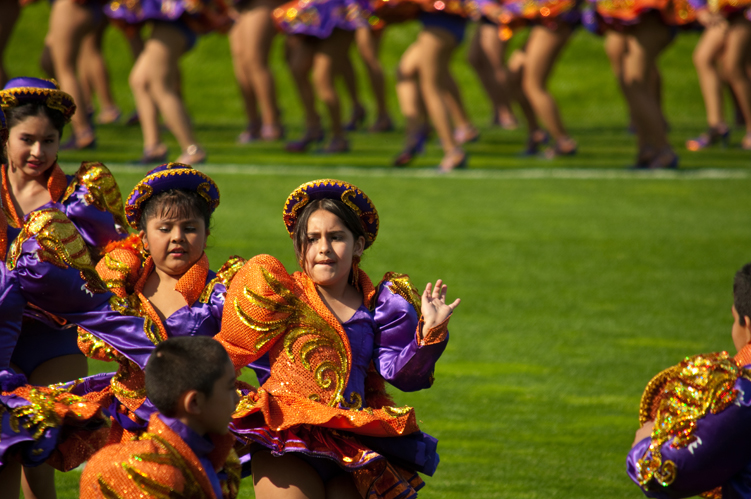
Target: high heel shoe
x: 314, y: 136
x: 563, y: 147
x: 535, y: 140
x: 154, y: 154
x: 108, y: 115
x: 457, y: 159
x: 251, y: 134
x: 666, y: 159
x: 272, y: 133
x: 381, y: 125
x: 713, y: 135
x: 357, y: 120
x: 415, y: 146
x: 337, y: 145
x: 465, y: 134
x: 80, y: 142
x: 192, y: 155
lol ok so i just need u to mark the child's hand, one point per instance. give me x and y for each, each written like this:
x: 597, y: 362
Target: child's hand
x: 643, y: 432
x: 434, y: 307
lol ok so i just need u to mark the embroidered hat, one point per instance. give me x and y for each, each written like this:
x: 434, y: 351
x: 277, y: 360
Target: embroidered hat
x: 25, y: 89
x: 332, y: 189
x: 165, y: 177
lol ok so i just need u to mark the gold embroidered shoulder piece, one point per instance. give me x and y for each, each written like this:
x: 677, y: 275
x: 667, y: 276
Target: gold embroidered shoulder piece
x: 224, y: 276
x: 401, y: 285
x: 120, y: 267
x: 59, y: 244
x: 676, y: 399
x: 269, y: 305
x: 102, y: 190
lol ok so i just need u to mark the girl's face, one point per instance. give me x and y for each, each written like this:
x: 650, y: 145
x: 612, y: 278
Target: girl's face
x: 33, y: 145
x: 175, y: 244
x: 330, y: 249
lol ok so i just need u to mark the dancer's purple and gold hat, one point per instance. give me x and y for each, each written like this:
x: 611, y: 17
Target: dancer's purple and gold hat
x: 25, y: 89
x: 165, y: 177
x: 332, y: 189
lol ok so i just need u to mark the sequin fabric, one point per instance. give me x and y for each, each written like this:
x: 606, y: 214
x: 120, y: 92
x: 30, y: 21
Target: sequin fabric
x: 676, y: 399
x: 59, y: 244
x: 159, y: 464
x: 271, y: 311
x: 120, y: 267
x: 102, y: 190
x: 617, y: 13
x: 56, y: 186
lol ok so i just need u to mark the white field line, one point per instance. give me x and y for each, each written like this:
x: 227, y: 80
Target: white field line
x: 526, y: 173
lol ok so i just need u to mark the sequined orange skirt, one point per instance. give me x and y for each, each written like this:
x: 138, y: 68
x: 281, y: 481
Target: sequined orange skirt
x: 618, y: 13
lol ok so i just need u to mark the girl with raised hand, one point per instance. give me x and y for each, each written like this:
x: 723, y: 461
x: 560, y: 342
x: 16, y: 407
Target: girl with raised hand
x: 155, y: 77
x: 322, y: 424
x: 161, y: 274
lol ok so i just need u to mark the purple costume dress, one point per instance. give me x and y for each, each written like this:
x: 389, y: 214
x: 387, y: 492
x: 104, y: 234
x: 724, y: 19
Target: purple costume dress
x: 91, y: 200
x: 700, y: 443
x: 357, y: 430
x: 48, y: 265
x: 319, y: 18
x: 204, y: 292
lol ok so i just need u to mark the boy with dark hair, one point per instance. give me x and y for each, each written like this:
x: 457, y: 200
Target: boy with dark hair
x: 191, y: 381
x: 696, y: 419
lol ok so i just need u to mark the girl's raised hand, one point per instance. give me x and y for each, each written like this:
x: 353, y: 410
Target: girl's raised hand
x: 434, y: 307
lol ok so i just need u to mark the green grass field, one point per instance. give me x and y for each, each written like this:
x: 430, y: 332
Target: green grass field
x: 575, y: 290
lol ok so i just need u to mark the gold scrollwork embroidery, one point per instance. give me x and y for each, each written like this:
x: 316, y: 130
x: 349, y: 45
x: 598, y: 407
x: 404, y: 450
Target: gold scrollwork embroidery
x: 401, y: 285
x: 225, y: 275
x: 396, y: 412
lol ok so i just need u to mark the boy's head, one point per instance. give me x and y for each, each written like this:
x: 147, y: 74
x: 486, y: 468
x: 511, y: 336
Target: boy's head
x: 742, y: 307
x: 191, y: 378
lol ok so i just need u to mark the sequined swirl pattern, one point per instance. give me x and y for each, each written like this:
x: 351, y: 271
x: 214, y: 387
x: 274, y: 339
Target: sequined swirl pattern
x: 102, y: 190
x: 679, y: 397
x: 305, y: 334
x: 59, y: 244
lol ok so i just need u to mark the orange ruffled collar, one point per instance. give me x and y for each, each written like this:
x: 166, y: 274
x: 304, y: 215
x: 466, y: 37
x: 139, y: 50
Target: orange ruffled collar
x: 743, y: 358
x: 57, y: 182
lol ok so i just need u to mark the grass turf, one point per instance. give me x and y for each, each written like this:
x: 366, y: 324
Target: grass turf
x: 576, y: 291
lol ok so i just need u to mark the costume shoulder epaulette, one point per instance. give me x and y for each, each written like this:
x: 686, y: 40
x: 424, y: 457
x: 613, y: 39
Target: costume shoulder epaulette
x: 102, y: 190
x: 224, y: 276
x: 59, y: 244
x: 402, y: 286
x: 120, y: 266
x: 677, y: 398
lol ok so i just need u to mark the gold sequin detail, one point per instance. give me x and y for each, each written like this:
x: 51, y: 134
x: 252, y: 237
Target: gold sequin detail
x: 682, y: 395
x: 397, y: 411
x: 102, y: 190
x: 401, y: 285
x: 60, y: 244
x: 225, y: 275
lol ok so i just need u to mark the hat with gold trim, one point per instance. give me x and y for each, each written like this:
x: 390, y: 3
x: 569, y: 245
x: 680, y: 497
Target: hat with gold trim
x: 25, y: 89
x: 165, y: 177
x: 345, y: 192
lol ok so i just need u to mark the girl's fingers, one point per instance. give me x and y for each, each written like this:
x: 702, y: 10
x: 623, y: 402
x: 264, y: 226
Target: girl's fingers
x: 426, y: 294
x: 455, y: 304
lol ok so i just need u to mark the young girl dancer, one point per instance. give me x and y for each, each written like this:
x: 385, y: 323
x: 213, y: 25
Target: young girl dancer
x: 31, y: 181
x: 726, y: 40
x: 161, y: 274
x: 320, y: 34
x: 155, y: 77
x: 424, y: 84
x: 320, y: 424
x: 250, y: 41
x: 646, y: 25
x: 552, y: 23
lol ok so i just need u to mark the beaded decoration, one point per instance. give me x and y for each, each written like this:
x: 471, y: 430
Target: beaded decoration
x: 25, y: 90
x: 676, y: 399
x: 332, y: 189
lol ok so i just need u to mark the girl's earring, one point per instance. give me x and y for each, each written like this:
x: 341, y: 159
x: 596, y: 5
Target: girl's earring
x: 356, y: 272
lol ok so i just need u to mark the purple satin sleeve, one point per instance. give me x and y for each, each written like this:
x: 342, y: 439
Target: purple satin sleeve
x: 146, y: 10
x: 397, y: 356
x: 62, y: 291
x: 720, y: 455
x: 12, y: 304
x: 97, y: 227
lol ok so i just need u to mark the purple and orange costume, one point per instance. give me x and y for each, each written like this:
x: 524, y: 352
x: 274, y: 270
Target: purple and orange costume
x: 699, y: 445
x: 324, y: 398
x: 168, y: 459
x: 90, y: 199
